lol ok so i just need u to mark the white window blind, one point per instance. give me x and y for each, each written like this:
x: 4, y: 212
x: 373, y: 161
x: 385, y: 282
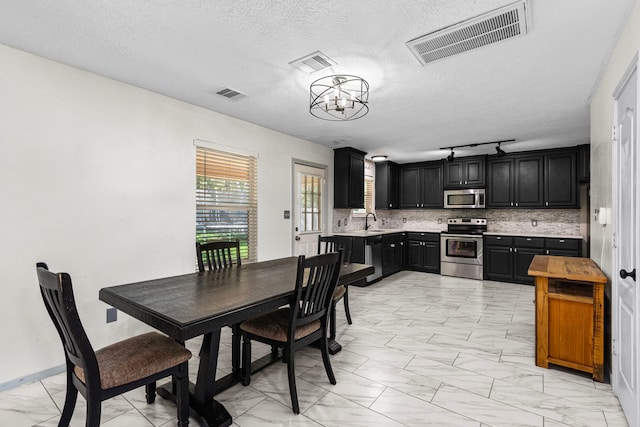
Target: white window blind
x: 226, y: 199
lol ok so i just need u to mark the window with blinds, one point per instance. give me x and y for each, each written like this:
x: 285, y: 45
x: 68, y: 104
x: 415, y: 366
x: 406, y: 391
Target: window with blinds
x: 369, y: 190
x: 226, y: 199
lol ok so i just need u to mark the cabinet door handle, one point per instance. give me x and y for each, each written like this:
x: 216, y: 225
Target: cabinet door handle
x: 393, y: 245
x: 517, y: 204
x: 547, y: 251
x: 510, y: 249
x: 529, y: 239
x: 546, y: 203
x: 515, y: 250
x: 417, y: 205
x: 561, y: 240
x: 466, y: 182
x: 511, y: 203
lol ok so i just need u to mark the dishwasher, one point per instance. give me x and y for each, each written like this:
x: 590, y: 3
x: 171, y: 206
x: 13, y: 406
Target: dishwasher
x: 373, y: 256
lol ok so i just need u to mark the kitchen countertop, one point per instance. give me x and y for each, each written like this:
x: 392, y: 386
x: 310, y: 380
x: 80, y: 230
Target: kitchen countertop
x: 378, y: 232
x: 550, y: 236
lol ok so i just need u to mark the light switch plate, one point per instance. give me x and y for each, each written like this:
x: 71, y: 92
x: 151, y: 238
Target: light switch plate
x: 534, y: 222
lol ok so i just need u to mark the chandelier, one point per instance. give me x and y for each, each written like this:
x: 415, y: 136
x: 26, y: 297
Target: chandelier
x: 340, y: 97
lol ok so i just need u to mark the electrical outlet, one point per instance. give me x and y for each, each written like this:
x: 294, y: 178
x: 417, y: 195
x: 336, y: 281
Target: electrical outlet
x: 534, y: 222
x: 345, y: 222
x: 404, y: 220
x: 439, y: 220
x: 339, y: 223
x: 112, y: 314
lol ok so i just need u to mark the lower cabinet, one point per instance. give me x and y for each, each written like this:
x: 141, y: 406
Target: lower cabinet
x: 507, y: 258
x: 392, y: 253
x: 423, y: 252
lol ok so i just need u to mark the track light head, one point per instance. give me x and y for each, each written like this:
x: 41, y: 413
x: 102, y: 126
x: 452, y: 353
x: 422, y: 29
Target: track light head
x: 450, y: 156
x: 500, y: 151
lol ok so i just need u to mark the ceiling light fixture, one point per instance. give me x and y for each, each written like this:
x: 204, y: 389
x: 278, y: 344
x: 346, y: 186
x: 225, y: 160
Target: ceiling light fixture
x: 378, y: 157
x: 500, y: 151
x: 339, y: 98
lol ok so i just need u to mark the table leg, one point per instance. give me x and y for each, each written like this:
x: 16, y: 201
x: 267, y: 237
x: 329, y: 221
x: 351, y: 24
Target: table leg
x: 210, y: 412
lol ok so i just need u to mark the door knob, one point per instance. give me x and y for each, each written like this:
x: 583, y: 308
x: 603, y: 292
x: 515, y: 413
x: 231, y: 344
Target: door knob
x: 297, y: 237
x: 624, y: 274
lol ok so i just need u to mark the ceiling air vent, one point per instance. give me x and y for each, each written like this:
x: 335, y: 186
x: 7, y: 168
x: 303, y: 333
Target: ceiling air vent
x: 500, y: 24
x: 231, y: 94
x: 314, y: 62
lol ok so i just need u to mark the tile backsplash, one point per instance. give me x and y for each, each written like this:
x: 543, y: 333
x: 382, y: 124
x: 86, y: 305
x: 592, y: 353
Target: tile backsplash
x: 549, y: 221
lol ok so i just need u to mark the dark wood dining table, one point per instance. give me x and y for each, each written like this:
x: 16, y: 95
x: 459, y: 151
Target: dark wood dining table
x: 200, y: 304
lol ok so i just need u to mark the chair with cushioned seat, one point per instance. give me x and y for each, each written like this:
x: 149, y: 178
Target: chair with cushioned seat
x: 115, y: 369
x: 328, y: 244
x: 302, y: 323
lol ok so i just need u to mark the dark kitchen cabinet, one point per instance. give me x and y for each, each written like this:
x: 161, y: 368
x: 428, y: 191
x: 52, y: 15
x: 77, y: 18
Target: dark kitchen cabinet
x: 498, y: 258
x: 533, y: 180
x: 423, y: 252
x: 563, y: 247
x: 584, y: 163
x: 516, y: 181
x: 507, y: 258
x: 466, y: 172
x: 387, y: 185
x: 348, y: 178
x: 393, y: 249
x: 560, y: 180
x: 421, y: 185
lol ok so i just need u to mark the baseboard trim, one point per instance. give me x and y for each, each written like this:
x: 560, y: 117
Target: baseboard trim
x: 31, y: 378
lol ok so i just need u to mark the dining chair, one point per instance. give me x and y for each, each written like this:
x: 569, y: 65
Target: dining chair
x: 328, y: 244
x: 303, y: 322
x: 115, y: 369
x: 217, y: 254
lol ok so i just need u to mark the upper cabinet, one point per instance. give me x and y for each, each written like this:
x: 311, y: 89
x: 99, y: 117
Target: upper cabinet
x: 533, y: 180
x: 584, y: 163
x: 467, y: 172
x: 560, y: 180
x: 387, y: 185
x: 348, y: 178
x: 515, y: 181
x: 421, y: 185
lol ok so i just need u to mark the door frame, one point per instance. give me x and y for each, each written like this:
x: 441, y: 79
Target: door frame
x: 615, y: 266
x: 325, y: 202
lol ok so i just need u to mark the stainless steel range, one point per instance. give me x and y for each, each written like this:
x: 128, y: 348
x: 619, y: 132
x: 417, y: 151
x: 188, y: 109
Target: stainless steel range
x: 461, y: 252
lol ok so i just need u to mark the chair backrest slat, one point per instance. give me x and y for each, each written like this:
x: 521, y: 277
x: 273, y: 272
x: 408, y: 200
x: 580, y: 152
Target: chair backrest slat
x: 217, y: 254
x: 328, y: 244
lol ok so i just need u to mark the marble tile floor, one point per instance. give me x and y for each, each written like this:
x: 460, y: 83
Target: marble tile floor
x: 423, y: 350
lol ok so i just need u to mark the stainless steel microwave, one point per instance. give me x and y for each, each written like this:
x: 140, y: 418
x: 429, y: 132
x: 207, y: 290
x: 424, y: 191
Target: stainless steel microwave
x: 464, y: 199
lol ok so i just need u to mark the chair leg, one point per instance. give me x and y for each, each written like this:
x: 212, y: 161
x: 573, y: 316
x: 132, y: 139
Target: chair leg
x: 151, y: 392
x: 324, y: 348
x: 332, y: 321
x: 291, y: 373
x: 69, y: 402
x: 346, y: 304
x: 181, y: 380
x: 235, y: 349
x: 246, y: 360
x: 94, y: 408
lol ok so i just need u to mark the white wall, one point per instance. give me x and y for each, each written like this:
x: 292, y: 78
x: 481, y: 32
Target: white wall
x: 601, y: 123
x: 97, y: 178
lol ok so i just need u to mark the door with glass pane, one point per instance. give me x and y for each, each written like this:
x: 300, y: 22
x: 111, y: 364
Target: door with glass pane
x: 308, y: 213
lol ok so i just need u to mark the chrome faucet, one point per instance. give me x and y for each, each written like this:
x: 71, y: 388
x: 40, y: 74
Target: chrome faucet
x: 366, y: 219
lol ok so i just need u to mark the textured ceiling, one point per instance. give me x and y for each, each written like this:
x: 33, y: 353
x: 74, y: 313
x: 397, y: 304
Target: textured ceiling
x: 534, y: 89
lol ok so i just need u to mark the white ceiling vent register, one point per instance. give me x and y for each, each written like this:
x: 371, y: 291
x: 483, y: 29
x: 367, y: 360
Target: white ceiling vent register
x: 313, y: 62
x: 231, y: 94
x: 504, y: 23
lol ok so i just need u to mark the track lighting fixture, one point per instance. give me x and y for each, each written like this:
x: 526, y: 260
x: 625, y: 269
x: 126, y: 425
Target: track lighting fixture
x: 450, y: 156
x: 499, y: 151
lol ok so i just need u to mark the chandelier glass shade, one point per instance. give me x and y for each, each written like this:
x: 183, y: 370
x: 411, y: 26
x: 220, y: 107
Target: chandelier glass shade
x: 339, y: 98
